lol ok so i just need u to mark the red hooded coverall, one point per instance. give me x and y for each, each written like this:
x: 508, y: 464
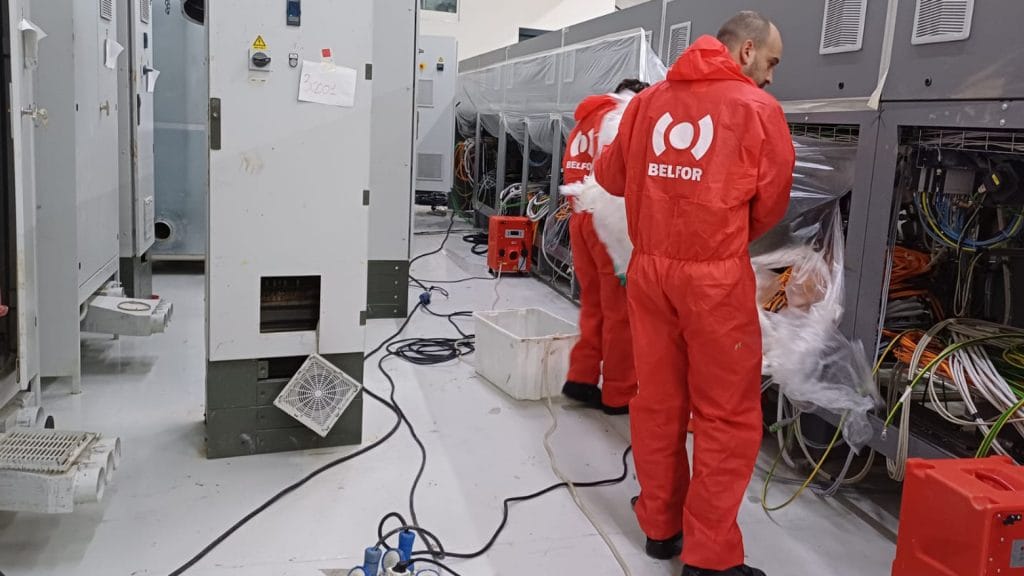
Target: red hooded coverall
x: 705, y: 162
x: 605, y: 345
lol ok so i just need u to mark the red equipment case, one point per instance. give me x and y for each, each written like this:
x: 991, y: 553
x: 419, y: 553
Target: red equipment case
x: 961, y: 518
x: 509, y: 243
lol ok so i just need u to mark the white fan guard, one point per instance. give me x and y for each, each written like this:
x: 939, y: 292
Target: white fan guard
x: 318, y: 394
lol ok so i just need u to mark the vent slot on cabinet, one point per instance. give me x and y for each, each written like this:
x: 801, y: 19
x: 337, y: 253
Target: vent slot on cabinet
x: 569, y: 66
x: 145, y: 9
x: 430, y: 167
x: 107, y: 9
x: 289, y: 304
x: 842, y: 28
x: 942, y: 21
x: 425, y: 93
x: 678, y: 40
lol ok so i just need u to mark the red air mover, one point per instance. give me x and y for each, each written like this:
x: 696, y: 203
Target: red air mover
x: 961, y: 518
x: 508, y: 244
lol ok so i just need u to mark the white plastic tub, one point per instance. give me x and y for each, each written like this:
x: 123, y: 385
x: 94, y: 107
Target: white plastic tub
x: 525, y: 352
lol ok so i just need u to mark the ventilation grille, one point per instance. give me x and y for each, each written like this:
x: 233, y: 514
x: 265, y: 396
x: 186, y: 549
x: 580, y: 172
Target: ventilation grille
x: 942, y: 21
x: 843, y: 27
x: 107, y: 9
x: 318, y: 395
x: 425, y: 93
x: 430, y: 167
x: 678, y: 40
x: 43, y: 451
x: 145, y: 10
x: 569, y: 66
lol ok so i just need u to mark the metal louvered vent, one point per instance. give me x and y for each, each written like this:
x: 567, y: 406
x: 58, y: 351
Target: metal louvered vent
x: 107, y: 9
x: 678, y: 40
x: 425, y: 93
x: 942, y: 21
x: 43, y: 451
x: 145, y: 10
x: 842, y: 29
x: 318, y: 395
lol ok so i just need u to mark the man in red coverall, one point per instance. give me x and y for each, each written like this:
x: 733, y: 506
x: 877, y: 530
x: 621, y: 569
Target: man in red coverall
x: 705, y: 162
x: 605, y: 347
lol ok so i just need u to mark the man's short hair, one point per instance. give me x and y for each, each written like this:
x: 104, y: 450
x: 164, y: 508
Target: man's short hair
x: 746, y: 25
x: 635, y: 86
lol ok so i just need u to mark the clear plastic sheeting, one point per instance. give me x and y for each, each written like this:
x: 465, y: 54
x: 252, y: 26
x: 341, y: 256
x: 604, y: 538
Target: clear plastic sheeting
x: 800, y: 282
x: 532, y: 92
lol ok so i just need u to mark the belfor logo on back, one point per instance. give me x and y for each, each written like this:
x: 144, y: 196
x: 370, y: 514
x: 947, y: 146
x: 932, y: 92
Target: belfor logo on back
x: 584, y: 145
x: 681, y: 136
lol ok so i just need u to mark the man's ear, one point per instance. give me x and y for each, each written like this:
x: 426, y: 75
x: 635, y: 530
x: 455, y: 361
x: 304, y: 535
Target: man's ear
x: 747, y: 52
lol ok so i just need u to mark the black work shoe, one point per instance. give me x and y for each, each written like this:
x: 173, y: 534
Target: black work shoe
x: 588, y: 394
x: 661, y: 549
x: 736, y: 571
x: 665, y: 549
x: 615, y: 411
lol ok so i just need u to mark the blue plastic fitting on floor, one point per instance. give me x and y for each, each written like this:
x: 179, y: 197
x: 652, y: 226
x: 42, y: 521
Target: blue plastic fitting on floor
x: 406, y: 540
x: 371, y: 561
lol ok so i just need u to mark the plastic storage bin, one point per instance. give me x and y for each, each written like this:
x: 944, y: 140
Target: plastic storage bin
x: 525, y: 352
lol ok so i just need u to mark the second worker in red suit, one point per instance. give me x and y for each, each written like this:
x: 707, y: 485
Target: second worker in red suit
x: 705, y: 162
x: 604, y: 353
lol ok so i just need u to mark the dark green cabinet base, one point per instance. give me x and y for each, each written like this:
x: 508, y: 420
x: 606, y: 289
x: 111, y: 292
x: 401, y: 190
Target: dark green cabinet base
x: 241, y: 418
x: 387, y: 293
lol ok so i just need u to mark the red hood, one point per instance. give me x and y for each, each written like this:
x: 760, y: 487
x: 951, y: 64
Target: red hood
x: 593, y: 104
x: 707, y: 59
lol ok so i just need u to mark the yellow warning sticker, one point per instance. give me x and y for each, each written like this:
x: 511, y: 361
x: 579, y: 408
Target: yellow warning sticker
x: 259, y: 43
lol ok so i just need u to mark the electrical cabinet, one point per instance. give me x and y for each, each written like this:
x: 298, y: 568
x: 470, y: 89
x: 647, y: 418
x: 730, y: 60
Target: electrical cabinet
x: 956, y: 50
x: 180, y: 111
x: 77, y: 169
x: 137, y: 80
x: 19, y: 338
x: 289, y: 188
x: 392, y: 146
x: 436, y: 75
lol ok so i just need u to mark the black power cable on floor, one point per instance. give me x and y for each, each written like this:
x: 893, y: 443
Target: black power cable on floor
x: 506, y: 504
x: 479, y: 241
x: 392, y: 406
x: 332, y: 464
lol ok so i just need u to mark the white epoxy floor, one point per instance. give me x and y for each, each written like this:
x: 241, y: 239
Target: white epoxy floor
x: 167, y: 501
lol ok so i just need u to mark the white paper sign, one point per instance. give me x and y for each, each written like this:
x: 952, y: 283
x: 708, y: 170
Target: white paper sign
x: 151, y: 76
x: 113, y: 50
x: 30, y: 27
x: 31, y: 35
x: 326, y: 83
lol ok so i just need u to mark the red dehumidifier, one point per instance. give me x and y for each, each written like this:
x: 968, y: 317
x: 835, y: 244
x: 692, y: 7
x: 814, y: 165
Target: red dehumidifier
x: 961, y: 518
x: 509, y: 242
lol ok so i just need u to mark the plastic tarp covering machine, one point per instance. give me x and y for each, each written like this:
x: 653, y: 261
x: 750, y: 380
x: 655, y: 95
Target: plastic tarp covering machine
x: 532, y: 93
x: 800, y: 281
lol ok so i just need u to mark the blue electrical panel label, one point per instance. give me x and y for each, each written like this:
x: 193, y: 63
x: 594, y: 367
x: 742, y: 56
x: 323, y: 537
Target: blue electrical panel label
x: 294, y: 12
